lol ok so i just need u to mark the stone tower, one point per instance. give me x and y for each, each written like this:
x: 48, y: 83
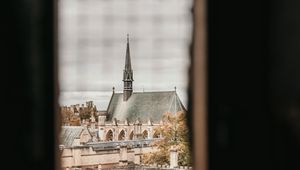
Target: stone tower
x: 127, y: 74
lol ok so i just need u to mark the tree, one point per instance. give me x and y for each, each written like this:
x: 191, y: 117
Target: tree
x: 174, y: 133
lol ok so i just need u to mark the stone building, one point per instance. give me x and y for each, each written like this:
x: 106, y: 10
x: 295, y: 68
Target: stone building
x: 145, y: 106
x: 119, y: 135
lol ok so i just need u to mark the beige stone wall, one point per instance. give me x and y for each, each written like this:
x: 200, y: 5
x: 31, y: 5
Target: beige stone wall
x: 87, y: 157
x: 99, y: 159
x: 77, y: 156
x: 67, y: 152
x: 130, y: 156
x: 67, y: 162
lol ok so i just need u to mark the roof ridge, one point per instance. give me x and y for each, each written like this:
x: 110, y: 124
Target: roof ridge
x: 71, y: 127
x: 153, y: 91
x: 148, y: 91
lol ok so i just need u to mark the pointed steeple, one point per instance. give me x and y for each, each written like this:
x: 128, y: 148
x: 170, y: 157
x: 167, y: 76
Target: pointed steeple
x: 127, y: 74
x: 127, y: 59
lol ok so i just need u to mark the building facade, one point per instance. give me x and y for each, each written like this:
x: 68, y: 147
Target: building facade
x: 119, y: 135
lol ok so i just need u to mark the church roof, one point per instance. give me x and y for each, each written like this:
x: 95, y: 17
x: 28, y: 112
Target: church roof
x: 144, y: 105
x: 69, y: 133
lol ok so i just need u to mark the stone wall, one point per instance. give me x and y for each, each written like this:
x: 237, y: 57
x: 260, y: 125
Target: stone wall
x: 87, y: 157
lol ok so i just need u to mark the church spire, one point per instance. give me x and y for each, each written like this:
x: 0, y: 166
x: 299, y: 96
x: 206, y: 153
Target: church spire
x: 127, y: 74
x: 127, y: 59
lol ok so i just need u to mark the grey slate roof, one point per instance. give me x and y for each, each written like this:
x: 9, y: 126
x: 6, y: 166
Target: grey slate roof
x: 144, y: 105
x: 69, y: 133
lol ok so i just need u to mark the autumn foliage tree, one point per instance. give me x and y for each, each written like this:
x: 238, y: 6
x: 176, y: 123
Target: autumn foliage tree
x: 174, y: 134
x: 73, y: 116
x: 68, y: 117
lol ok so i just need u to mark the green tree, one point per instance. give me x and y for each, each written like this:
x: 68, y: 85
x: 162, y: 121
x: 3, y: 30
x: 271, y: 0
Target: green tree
x: 174, y: 133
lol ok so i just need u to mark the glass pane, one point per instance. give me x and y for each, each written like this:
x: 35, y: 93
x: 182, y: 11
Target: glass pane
x: 123, y: 71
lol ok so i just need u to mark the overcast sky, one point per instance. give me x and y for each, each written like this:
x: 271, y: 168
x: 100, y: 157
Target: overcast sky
x: 92, y: 46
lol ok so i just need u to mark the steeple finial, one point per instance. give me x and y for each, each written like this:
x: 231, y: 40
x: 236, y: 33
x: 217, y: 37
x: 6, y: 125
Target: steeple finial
x: 127, y: 38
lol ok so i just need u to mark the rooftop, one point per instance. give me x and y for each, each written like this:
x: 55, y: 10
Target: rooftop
x: 144, y: 105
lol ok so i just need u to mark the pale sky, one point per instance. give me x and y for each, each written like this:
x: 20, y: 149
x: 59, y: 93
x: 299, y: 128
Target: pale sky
x: 92, y: 46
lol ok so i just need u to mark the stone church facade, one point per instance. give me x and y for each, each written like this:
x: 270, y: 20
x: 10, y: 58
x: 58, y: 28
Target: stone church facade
x: 119, y: 135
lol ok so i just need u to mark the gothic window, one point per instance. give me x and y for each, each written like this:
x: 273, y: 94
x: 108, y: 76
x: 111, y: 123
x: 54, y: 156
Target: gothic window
x: 121, y: 135
x: 131, y: 135
x: 109, y: 136
x: 145, y: 134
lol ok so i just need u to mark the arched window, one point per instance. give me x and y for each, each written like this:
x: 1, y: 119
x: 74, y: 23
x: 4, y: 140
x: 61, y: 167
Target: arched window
x: 121, y: 135
x: 156, y: 134
x: 145, y: 134
x: 131, y: 136
x: 109, y: 135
